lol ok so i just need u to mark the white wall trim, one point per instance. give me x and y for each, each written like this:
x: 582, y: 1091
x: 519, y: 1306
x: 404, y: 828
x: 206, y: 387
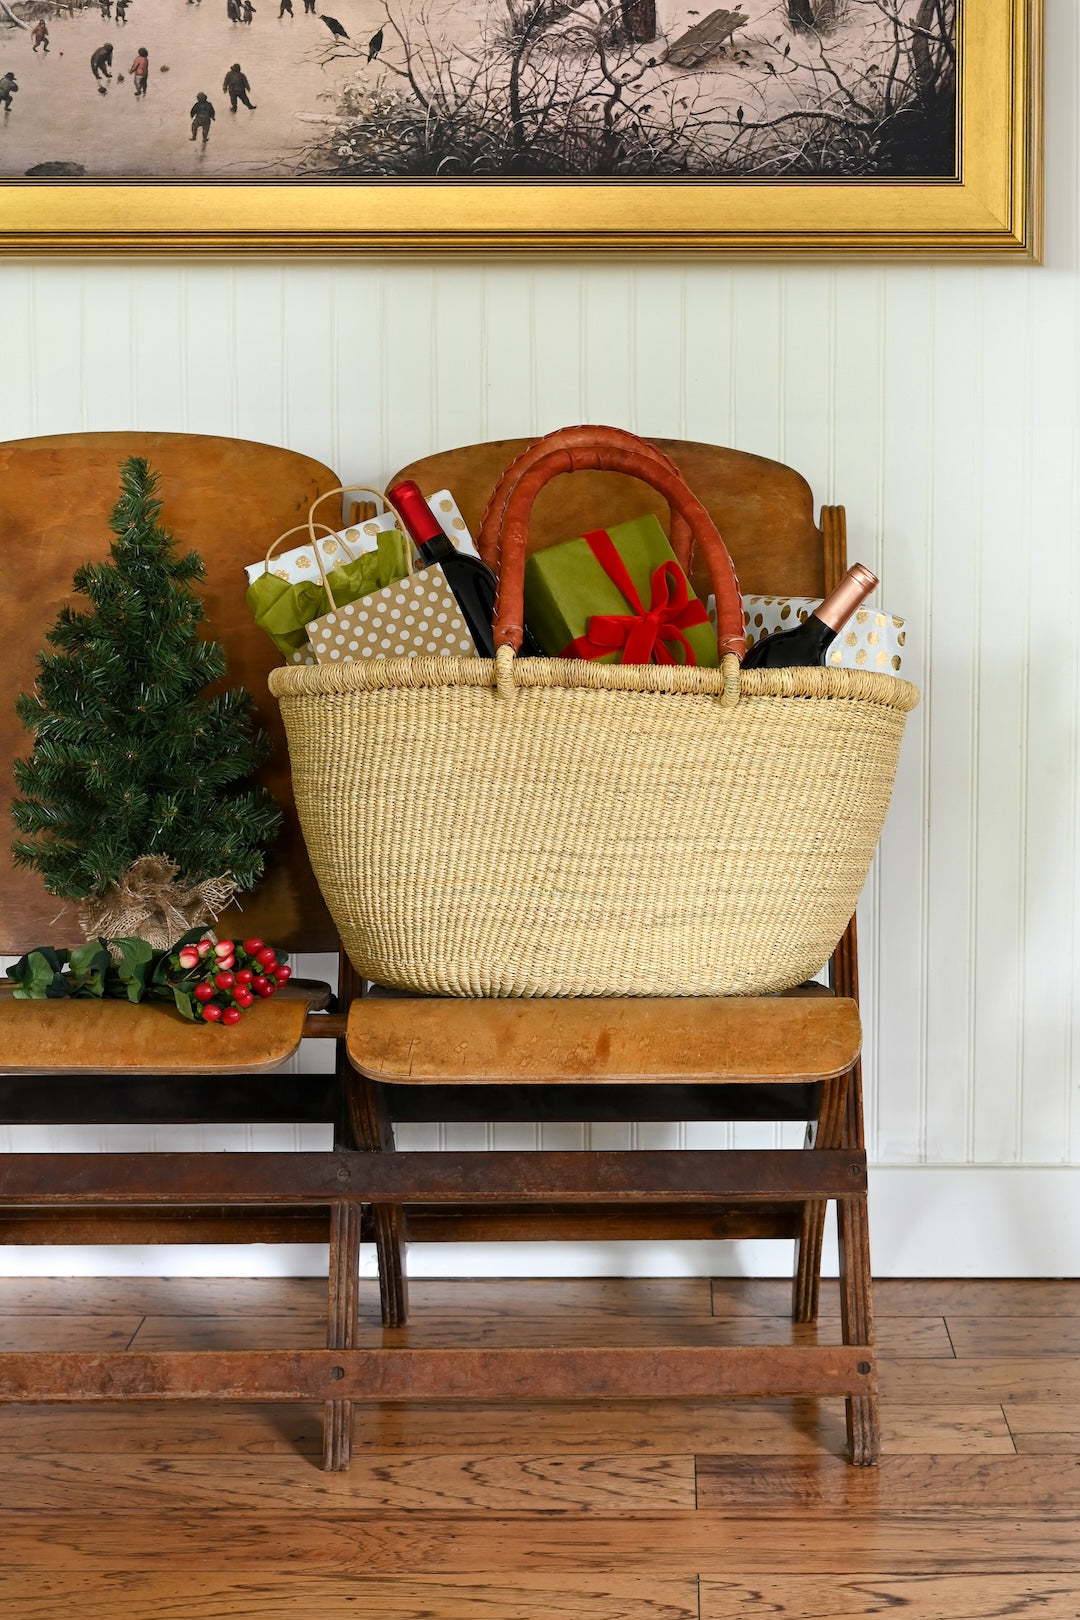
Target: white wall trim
x: 925, y: 1221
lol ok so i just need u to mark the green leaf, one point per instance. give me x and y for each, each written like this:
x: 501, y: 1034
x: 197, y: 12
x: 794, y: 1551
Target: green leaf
x: 40, y: 975
x: 90, y: 964
x: 134, y: 966
x: 184, y: 1002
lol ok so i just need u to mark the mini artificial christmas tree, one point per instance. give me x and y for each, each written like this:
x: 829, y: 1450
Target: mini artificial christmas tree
x: 138, y: 799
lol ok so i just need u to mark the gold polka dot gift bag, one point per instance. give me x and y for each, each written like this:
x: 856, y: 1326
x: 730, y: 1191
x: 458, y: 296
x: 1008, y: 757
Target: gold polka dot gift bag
x: 289, y: 590
x: 564, y: 827
x: 413, y: 616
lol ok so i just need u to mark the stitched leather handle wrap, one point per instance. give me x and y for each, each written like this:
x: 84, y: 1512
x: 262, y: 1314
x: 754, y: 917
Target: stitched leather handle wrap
x: 571, y: 438
x: 636, y: 463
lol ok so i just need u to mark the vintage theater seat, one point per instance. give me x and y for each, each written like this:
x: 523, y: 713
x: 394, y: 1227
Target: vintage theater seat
x: 769, y: 1058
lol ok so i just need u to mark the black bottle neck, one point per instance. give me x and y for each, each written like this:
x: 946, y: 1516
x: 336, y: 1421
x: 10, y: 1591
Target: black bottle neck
x: 435, y: 549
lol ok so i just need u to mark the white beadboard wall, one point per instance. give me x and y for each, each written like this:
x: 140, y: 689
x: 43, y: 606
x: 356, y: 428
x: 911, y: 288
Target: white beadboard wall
x: 941, y: 404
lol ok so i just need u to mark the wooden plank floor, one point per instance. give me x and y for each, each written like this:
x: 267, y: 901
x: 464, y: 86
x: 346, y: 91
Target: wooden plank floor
x: 628, y: 1511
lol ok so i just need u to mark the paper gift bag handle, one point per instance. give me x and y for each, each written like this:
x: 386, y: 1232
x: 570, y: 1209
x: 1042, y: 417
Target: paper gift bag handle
x: 309, y: 528
x: 666, y: 480
x: 350, y: 489
x: 589, y: 437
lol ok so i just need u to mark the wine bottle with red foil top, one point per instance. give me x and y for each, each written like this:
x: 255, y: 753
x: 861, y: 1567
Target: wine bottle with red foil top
x: 473, y: 583
x: 809, y: 642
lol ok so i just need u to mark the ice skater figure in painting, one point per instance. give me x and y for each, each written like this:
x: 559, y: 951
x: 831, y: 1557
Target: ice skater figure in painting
x: 285, y: 9
x: 140, y: 71
x: 40, y: 36
x: 248, y: 12
x: 236, y: 86
x: 8, y: 88
x: 101, y: 62
x: 122, y: 11
x: 202, y: 116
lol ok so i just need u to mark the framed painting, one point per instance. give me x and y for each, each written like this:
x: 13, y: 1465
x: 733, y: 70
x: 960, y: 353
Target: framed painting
x: 478, y: 127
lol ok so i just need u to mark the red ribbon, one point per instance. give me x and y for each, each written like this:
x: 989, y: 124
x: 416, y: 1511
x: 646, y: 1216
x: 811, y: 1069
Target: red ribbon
x: 642, y: 634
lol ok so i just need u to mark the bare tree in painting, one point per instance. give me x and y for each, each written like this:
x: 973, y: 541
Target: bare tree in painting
x: 563, y: 87
x: 890, y: 110
x: 532, y: 101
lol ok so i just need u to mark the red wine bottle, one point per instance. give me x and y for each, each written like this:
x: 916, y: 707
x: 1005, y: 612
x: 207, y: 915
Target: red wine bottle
x: 471, y: 580
x: 808, y: 643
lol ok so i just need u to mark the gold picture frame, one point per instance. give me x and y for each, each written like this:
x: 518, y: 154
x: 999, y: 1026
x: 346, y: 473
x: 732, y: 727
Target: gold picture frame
x: 991, y: 210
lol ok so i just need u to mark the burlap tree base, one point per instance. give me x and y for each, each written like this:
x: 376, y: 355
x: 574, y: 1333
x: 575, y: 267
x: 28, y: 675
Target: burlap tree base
x: 148, y: 902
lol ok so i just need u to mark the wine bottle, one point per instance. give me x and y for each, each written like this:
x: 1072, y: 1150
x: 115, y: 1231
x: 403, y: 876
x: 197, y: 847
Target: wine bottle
x: 808, y: 643
x: 471, y: 580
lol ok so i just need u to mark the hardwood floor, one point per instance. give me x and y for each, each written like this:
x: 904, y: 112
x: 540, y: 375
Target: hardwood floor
x: 629, y: 1511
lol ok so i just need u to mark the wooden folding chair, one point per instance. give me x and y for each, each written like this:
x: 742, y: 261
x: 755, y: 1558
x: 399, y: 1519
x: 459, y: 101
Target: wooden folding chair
x: 775, y: 1058
x: 81, y: 1063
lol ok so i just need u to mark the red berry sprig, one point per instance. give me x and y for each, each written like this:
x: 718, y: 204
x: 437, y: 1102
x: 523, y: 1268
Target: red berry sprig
x: 216, y: 981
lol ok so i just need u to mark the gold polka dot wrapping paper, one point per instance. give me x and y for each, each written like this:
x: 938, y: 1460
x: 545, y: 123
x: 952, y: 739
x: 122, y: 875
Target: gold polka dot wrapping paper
x: 871, y: 640
x: 300, y: 564
x: 414, y: 616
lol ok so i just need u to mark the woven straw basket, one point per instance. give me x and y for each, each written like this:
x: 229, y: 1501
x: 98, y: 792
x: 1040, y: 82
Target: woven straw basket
x: 555, y: 827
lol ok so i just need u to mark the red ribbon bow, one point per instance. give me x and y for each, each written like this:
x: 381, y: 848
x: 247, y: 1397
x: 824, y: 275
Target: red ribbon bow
x: 642, y: 634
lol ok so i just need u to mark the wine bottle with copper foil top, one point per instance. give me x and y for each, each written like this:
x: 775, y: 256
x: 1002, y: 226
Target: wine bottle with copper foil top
x: 471, y: 580
x: 809, y: 642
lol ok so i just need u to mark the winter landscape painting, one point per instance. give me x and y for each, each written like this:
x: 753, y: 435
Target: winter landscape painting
x: 460, y: 91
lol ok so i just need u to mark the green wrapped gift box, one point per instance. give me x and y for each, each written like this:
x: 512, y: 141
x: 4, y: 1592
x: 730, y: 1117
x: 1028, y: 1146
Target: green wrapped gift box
x: 617, y: 596
x: 283, y: 609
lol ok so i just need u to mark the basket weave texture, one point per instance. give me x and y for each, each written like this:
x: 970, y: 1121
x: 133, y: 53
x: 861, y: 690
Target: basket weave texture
x: 552, y: 827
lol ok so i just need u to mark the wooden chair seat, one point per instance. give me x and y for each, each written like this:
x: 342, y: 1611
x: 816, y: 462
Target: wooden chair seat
x: 110, y: 1037
x: 424, y: 1041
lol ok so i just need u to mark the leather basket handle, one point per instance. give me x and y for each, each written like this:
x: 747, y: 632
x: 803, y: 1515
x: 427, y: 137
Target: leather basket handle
x: 661, y: 476
x: 572, y: 438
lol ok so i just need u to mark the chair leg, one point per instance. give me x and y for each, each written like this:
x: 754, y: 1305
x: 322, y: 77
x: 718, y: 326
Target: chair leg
x: 372, y: 1131
x: 856, y: 1288
x: 857, y: 1316
x: 806, y: 1283
x: 824, y: 1132
x: 342, y: 1306
x: 856, y: 1295
x: 391, y: 1247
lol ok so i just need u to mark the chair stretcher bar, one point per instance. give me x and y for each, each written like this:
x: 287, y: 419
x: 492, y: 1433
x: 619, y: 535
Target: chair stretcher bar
x: 401, y: 1375
x: 778, y: 1175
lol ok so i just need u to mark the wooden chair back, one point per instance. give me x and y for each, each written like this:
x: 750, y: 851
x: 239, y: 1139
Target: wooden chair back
x: 763, y: 509
x: 227, y: 499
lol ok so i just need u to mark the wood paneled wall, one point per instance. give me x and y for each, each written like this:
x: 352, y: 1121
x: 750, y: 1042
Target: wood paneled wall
x: 941, y: 404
